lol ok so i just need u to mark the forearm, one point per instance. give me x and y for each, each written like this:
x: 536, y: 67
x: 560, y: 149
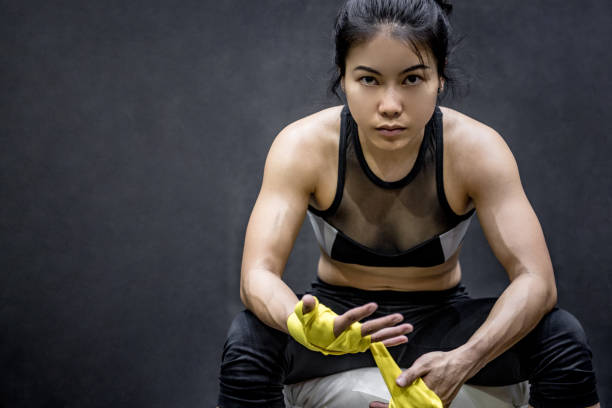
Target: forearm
x: 268, y: 297
x: 517, y: 311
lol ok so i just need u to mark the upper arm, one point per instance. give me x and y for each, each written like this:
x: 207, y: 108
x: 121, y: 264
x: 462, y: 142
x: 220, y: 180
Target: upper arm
x: 505, y: 214
x: 289, y: 180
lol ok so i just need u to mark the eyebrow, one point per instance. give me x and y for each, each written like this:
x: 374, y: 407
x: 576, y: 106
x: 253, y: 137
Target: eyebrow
x: 372, y: 70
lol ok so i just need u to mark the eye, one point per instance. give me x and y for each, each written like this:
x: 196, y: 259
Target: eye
x: 368, y: 80
x: 413, y: 80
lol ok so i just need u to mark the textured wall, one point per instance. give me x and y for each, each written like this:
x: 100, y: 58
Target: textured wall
x: 133, y: 137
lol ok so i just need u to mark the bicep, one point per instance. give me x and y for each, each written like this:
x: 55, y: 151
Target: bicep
x: 505, y: 214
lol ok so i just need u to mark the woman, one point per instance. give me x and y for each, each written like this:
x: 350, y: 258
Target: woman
x: 390, y: 182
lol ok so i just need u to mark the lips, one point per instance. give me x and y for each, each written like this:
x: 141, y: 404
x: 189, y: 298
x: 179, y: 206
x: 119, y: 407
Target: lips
x: 390, y: 130
x: 390, y: 127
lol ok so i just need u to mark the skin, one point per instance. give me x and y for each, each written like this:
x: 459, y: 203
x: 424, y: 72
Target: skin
x: 479, y: 172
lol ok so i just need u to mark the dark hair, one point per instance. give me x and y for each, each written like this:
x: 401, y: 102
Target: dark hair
x: 419, y: 22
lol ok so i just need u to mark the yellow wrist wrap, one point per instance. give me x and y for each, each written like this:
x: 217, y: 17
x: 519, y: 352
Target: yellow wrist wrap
x: 416, y: 395
x: 315, y: 331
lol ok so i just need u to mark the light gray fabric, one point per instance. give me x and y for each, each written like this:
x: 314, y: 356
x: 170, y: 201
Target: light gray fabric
x: 357, y: 388
x: 325, y: 233
x: 451, y: 240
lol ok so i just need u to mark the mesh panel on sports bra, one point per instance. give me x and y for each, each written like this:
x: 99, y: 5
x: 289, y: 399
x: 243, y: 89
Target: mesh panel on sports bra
x: 389, y: 217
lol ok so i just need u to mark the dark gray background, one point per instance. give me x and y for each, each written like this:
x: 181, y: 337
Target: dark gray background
x: 133, y: 137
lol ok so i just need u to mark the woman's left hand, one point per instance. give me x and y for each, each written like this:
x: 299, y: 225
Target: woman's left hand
x: 443, y: 372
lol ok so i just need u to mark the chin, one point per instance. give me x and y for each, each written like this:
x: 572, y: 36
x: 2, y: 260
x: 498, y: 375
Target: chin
x: 390, y: 145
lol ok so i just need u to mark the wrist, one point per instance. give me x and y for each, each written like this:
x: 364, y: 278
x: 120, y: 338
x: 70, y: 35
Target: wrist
x: 472, y: 358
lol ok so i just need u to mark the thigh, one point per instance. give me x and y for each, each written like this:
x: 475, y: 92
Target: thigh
x: 305, y: 364
x: 555, y: 357
x: 265, y: 358
x: 451, y: 326
x: 430, y: 320
x: 253, y: 365
x: 558, y: 361
x: 556, y: 351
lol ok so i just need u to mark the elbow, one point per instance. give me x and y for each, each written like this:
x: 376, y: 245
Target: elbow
x: 542, y: 293
x: 551, y: 296
x: 244, y: 292
x: 249, y: 288
x: 543, y: 287
x: 548, y: 290
x: 551, y: 289
x: 243, y: 296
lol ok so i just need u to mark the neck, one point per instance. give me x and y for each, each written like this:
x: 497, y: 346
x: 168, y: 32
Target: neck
x: 391, y: 164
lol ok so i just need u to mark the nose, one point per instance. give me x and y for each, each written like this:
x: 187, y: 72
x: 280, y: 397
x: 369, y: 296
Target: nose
x: 390, y: 106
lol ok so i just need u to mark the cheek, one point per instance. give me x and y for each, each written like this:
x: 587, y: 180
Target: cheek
x: 428, y: 92
x: 427, y: 99
x: 361, y: 101
x: 355, y: 92
x: 359, y: 110
x: 420, y: 107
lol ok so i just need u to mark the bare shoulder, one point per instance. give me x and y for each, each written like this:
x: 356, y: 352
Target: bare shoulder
x: 463, y: 134
x: 474, y: 152
x: 313, y: 131
x: 306, y: 146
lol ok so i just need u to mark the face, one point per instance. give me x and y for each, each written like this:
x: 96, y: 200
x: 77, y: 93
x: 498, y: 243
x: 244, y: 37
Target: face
x: 390, y: 92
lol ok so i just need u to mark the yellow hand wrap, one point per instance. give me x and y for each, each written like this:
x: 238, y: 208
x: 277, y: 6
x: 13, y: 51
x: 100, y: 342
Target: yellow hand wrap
x: 315, y: 331
x: 416, y: 395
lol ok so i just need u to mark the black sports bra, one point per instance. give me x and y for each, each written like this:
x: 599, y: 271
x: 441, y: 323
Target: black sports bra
x: 401, y: 223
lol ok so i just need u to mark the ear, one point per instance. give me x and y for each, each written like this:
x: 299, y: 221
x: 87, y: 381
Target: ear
x: 441, y: 83
x: 342, y: 83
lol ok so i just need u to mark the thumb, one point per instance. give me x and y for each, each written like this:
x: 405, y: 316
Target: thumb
x: 378, y: 404
x: 308, y: 303
x: 408, y: 376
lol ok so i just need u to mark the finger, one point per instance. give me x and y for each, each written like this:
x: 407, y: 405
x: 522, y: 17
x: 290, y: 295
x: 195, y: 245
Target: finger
x: 408, y: 376
x: 378, y: 404
x: 308, y: 303
x: 374, y: 325
x: 351, y: 316
x: 395, y: 341
x: 388, y: 332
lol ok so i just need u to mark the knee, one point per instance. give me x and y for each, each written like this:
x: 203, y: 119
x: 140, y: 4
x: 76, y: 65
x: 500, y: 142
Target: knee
x: 562, y: 371
x: 243, y: 325
x: 559, y: 344
x: 564, y: 329
x: 251, y: 343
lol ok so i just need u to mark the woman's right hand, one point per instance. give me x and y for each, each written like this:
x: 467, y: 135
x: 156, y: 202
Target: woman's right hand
x: 380, y: 329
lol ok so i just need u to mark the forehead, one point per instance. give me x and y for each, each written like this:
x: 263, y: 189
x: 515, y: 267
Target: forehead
x: 388, y: 54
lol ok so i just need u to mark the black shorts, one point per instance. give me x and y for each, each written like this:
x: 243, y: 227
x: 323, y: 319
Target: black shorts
x: 555, y: 356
